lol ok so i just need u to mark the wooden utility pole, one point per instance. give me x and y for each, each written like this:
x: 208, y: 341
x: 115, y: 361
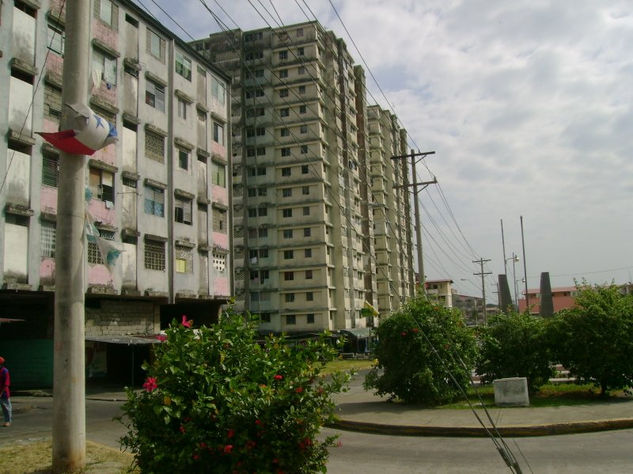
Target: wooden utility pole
x: 69, y: 405
x: 416, y: 206
x: 481, y: 262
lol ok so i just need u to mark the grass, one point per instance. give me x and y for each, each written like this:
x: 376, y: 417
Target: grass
x: 347, y: 364
x: 549, y: 395
x: 36, y: 458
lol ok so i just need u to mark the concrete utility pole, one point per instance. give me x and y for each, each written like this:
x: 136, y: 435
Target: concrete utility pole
x: 481, y: 262
x: 69, y: 406
x: 416, y: 206
x: 527, y: 303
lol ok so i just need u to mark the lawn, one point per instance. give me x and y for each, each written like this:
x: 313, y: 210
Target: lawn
x: 347, y: 364
x: 549, y: 395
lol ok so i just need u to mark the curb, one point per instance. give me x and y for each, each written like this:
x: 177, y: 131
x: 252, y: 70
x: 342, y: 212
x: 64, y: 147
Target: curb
x: 479, y: 432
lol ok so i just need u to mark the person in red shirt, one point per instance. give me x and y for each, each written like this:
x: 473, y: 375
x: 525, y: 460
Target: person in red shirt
x: 5, y: 395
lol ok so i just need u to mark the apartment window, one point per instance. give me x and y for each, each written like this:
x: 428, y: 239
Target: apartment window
x: 301, y: 51
x: 262, y: 191
x: 289, y: 297
x: 307, y: 253
x: 101, y: 184
x: 183, y: 159
x: 285, y: 152
x: 154, y: 201
x: 48, y: 234
x: 183, y: 210
x: 305, y: 190
x: 283, y: 92
x: 252, y: 212
x: 259, y: 73
x: 306, y: 211
x: 301, y: 70
x: 303, y: 109
x: 302, y: 89
x: 303, y: 129
x: 252, y: 192
x: 56, y: 39
x: 307, y: 232
x: 262, y: 233
x: 310, y: 318
x: 50, y: 170
x: 218, y: 174
x: 285, y: 112
x: 155, y: 45
x: 304, y: 169
x: 308, y: 274
x: 262, y: 211
x: 183, y: 66
x: 184, y: 260
x: 154, y: 146
x: 289, y: 276
x: 263, y: 253
x: 218, y: 91
x: 288, y: 254
x: 291, y: 319
x: 218, y: 133
x: 287, y: 212
x: 261, y: 150
x: 155, y: 95
x: 94, y: 254
x: 256, y: 112
x: 299, y: 32
x: 264, y: 317
x: 260, y: 131
x: 182, y: 108
x: 107, y: 12
x: 283, y: 73
x: 286, y: 192
x: 309, y: 296
x: 250, y: 152
x: 104, y: 66
x: 286, y: 171
x: 284, y: 132
x: 283, y: 55
x: 261, y: 171
x: 287, y: 233
x: 154, y: 255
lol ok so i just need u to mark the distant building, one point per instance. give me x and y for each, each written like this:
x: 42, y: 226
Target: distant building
x: 440, y: 291
x: 471, y: 307
x: 562, y: 297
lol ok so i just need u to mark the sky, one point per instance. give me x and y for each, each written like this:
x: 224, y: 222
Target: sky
x: 528, y: 105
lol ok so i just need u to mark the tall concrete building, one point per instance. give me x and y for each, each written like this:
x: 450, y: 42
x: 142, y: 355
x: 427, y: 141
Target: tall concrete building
x: 161, y: 194
x: 303, y: 205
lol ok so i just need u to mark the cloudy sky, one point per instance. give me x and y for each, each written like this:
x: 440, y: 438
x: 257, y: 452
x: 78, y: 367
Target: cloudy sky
x: 528, y: 106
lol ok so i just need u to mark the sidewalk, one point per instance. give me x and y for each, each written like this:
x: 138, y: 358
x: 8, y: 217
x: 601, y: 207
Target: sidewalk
x: 359, y: 410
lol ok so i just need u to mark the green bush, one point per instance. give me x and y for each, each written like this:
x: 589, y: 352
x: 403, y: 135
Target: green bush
x: 217, y: 401
x: 515, y: 345
x: 418, y: 349
x: 594, y: 340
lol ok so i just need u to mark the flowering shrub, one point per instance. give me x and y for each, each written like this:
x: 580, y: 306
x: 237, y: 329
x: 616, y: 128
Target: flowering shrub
x: 418, y: 349
x: 217, y: 401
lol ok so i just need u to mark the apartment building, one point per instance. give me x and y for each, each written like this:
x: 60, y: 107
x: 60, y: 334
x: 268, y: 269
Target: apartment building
x: 391, y: 209
x: 303, y: 206
x: 161, y: 194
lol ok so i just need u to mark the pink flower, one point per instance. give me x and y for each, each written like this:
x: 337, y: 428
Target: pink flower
x: 186, y: 323
x: 161, y: 337
x: 230, y: 433
x: 278, y: 377
x: 339, y: 444
x: 150, y: 384
x: 228, y: 448
x: 299, y: 389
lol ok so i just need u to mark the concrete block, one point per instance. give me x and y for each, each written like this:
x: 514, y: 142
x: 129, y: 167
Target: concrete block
x: 512, y: 391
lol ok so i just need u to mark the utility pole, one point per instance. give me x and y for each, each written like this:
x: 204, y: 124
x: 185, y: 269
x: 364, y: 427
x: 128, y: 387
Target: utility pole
x: 69, y: 405
x: 416, y: 206
x: 481, y: 262
x: 527, y: 306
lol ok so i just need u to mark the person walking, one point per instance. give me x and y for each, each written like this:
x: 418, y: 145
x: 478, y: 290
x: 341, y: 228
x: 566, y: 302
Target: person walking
x: 5, y: 395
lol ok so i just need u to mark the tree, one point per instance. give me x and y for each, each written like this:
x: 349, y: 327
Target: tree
x: 216, y: 400
x: 594, y: 340
x: 514, y: 345
x: 425, y: 354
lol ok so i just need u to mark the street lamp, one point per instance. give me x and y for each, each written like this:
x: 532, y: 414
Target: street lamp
x: 515, y: 259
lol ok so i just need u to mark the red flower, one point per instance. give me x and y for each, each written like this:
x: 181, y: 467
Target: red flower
x: 278, y: 377
x: 275, y: 460
x: 250, y: 444
x: 150, y: 384
x: 228, y: 448
x: 299, y: 389
x: 202, y: 445
x: 182, y: 429
x: 161, y: 337
x: 230, y: 433
x: 186, y: 323
x: 415, y: 330
x: 258, y: 422
x: 403, y: 333
x: 196, y: 457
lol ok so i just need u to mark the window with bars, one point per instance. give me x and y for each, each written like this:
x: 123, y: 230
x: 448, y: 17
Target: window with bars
x: 291, y: 319
x: 184, y: 260
x: 94, y: 254
x: 154, y: 146
x: 154, y: 255
x: 47, y: 239
x: 50, y: 170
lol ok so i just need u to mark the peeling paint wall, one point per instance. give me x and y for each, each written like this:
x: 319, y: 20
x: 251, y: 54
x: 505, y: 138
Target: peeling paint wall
x: 17, y: 184
x: 23, y: 37
x: 128, y: 265
x: 16, y: 241
x: 20, y: 94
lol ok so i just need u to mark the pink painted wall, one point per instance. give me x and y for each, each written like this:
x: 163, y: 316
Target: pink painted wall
x: 106, y: 34
x: 218, y: 149
x: 47, y: 269
x: 99, y: 275
x: 99, y: 213
x: 54, y: 63
x: 221, y: 240
x: 48, y: 199
x: 107, y: 155
x: 50, y: 126
x: 219, y: 194
x: 221, y: 286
